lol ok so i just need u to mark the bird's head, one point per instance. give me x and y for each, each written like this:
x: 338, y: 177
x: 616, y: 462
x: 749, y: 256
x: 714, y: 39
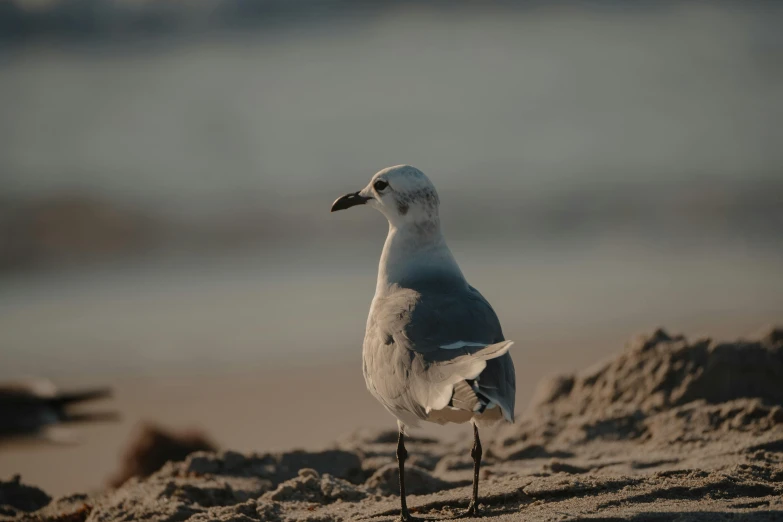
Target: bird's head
x: 403, y: 194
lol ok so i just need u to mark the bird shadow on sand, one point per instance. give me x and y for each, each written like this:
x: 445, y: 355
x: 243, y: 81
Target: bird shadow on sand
x: 663, y: 516
x: 694, y: 516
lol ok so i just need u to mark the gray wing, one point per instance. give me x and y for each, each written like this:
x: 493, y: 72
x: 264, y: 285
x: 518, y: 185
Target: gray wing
x: 416, y: 326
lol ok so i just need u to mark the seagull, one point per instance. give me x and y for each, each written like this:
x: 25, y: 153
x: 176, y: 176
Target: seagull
x: 433, y: 347
x: 32, y: 408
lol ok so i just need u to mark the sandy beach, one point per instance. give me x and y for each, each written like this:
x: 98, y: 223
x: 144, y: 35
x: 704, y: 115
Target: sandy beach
x: 234, y: 408
x: 667, y: 428
x: 605, y: 170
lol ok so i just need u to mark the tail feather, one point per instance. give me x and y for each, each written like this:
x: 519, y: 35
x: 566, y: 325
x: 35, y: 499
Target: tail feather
x: 464, y: 397
x: 438, y: 390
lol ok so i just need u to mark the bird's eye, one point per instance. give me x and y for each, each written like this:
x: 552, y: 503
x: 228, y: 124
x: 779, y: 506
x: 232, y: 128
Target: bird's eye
x: 380, y: 185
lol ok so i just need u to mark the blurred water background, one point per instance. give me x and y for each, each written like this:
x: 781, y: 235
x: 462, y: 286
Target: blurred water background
x: 166, y: 168
x: 166, y: 172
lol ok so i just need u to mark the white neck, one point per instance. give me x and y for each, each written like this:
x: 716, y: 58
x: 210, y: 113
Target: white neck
x: 412, y: 255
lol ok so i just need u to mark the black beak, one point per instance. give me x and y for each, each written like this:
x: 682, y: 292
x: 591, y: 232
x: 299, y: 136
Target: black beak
x: 348, y: 201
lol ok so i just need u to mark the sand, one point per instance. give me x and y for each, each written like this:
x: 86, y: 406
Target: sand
x: 669, y: 429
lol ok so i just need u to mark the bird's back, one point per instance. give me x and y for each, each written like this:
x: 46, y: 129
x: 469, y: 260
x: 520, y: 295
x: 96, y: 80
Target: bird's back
x: 424, y: 339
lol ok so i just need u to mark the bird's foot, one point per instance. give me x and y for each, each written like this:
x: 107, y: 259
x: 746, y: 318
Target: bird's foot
x: 471, y: 512
x: 405, y: 516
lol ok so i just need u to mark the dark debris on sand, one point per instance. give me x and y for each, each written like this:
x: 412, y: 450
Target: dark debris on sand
x: 17, y: 497
x: 151, y: 447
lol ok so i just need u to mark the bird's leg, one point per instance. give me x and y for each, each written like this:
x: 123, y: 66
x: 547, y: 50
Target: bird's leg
x: 402, y: 454
x: 476, y: 454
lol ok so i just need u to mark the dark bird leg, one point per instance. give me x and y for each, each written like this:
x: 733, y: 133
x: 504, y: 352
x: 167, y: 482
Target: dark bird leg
x: 402, y: 454
x: 476, y: 454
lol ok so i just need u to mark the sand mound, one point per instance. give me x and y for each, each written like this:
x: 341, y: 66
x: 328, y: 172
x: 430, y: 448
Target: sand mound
x: 311, y: 487
x: 661, y: 371
x: 662, y: 388
x: 417, y: 481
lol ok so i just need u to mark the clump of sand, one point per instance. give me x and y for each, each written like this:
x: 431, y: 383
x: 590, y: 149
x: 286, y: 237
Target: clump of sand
x: 669, y: 429
x: 309, y: 486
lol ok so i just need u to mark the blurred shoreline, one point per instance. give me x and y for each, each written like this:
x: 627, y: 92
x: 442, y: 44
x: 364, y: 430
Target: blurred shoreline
x: 74, y: 230
x: 219, y: 311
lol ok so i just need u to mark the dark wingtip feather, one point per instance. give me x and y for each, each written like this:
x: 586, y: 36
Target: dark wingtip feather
x: 100, y: 416
x: 63, y: 399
